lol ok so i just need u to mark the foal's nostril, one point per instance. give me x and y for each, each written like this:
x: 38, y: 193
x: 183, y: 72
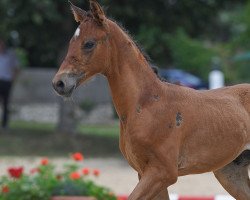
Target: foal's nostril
x: 60, y: 85
x: 64, y: 84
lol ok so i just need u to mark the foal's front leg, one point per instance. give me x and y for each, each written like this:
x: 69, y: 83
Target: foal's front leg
x: 162, y: 195
x: 153, y: 184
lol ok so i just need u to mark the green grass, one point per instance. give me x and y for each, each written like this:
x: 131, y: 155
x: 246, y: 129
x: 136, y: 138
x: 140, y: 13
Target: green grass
x: 32, y: 126
x: 100, y: 130
x: 33, y: 138
x: 97, y: 130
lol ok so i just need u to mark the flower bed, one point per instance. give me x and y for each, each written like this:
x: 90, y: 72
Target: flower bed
x: 45, y: 183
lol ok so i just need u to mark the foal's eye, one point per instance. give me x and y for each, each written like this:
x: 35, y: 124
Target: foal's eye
x: 89, y: 45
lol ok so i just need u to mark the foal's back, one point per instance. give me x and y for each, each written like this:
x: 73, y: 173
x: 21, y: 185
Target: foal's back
x: 239, y: 92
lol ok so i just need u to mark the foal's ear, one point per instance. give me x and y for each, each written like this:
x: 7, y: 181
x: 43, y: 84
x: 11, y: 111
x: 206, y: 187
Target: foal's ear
x: 97, y: 12
x: 78, y: 13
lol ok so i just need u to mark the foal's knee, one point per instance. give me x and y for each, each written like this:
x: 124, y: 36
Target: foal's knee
x: 171, y: 179
x: 167, y: 179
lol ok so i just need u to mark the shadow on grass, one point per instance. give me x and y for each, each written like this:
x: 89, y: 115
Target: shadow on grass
x: 50, y: 143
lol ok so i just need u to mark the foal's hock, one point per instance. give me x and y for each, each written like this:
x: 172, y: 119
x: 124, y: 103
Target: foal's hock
x: 166, y: 130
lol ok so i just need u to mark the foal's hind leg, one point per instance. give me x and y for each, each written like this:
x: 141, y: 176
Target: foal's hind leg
x: 234, y: 177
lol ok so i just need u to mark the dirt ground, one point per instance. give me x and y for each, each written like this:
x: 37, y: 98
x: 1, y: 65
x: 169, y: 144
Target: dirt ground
x: 121, y: 178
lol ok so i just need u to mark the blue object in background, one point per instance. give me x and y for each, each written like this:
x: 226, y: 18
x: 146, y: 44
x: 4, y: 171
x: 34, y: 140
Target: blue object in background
x: 182, y: 77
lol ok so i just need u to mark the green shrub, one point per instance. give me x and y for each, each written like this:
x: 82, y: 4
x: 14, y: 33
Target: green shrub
x: 44, y: 182
x: 87, y: 105
x: 190, y: 54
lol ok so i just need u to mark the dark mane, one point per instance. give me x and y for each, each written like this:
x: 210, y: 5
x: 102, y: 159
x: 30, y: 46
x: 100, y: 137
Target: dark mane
x: 142, y: 51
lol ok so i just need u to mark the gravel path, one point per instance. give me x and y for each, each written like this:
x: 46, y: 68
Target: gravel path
x: 117, y: 175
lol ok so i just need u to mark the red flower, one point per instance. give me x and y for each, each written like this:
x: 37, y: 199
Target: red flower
x: 85, y: 171
x: 5, y: 189
x: 122, y: 198
x: 96, y: 172
x: 44, y: 161
x: 15, y: 172
x: 77, y: 156
x: 75, y: 176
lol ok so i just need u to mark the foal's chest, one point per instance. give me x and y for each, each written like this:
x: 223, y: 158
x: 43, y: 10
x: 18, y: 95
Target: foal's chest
x: 134, y: 153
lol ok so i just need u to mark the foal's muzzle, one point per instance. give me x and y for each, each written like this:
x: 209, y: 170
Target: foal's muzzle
x: 65, y: 83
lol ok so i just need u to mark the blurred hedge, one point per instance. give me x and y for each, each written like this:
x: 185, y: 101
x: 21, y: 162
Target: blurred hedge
x: 41, y: 30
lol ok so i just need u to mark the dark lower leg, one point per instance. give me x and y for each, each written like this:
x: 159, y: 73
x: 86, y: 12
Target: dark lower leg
x: 234, y: 178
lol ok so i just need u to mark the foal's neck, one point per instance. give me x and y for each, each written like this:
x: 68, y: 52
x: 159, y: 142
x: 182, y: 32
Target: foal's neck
x: 130, y: 77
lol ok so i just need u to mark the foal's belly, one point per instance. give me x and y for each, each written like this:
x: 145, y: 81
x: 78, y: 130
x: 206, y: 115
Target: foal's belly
x: 220, y: 136
x: 208, y: 161
x: 208, y: 151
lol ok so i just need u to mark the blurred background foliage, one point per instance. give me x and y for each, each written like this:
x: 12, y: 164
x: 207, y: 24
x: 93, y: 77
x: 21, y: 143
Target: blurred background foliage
x: 185, y: 34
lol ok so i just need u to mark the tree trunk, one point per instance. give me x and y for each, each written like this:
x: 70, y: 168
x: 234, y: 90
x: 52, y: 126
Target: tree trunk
x: 67, y: 117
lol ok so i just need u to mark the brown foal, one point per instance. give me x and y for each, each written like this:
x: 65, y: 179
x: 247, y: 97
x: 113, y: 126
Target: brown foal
x: 166, y: 130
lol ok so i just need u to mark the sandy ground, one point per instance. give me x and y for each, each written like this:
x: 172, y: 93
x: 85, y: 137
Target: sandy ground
x: 121, y: 178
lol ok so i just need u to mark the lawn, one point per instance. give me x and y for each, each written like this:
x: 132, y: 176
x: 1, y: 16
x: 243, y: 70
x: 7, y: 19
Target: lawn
x: 31, y: 138
x: 97, y: 130
x: 16, y: 126
x: 101, y: 130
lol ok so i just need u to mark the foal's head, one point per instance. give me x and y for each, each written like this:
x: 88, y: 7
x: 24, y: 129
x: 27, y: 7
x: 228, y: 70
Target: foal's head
x: 88, y: 49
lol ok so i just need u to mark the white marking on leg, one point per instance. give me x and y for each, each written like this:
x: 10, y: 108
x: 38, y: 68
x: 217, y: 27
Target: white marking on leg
x: 77, y: 33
